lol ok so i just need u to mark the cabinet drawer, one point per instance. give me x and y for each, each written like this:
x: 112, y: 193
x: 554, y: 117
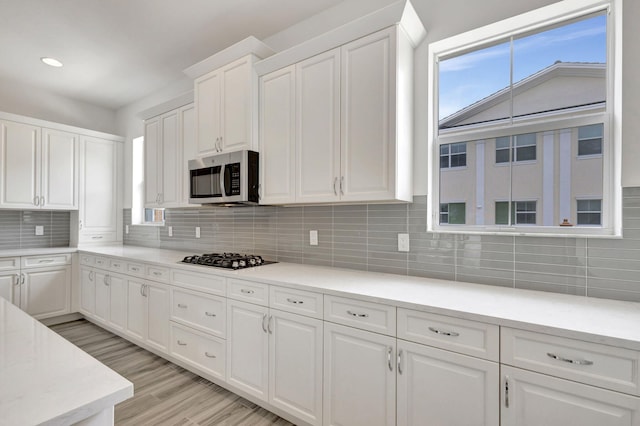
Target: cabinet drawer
x: 454, y: 334
x: 49, y: 260
x: 204, y: 352
x: 135, y: 269
x: 357, y: 313
x: 117, y: 265
x: 97, y: 237
x: 9, y: 263
x: 157, y: 273
x: 86, y: 259
x: 101, y: 262
x: 591, y: 363
x: 198, y: 310
x: 248, y: 291
x: 296, y: 301
x: 208, y: 283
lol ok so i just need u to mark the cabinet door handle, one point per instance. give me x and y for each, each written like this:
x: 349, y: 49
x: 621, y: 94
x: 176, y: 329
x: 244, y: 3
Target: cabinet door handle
x: 36, y: 201
x: 210, y: 314
x: 357, y: 315
x: 264, y: 326
x: 135, y: 269
x: 80, y: 224
x: 444, y: 333
x: 294, y: 301
x: 569, y: 360
x: 506, y: 391
x: 24, y: 277
x: 270, y: 323
x: 91, y: 276
x: 116, y: 265
x: 335, y: 182
x: 389, y: 363
x: 220, y: 144
x: 181, y: 305
x: 106, y: 280
x: 242, y: 290
x: 17, y: 279
x: 181, y: 343
x: 400, y: 361
x: 341, y: 185
x: 259, y: 191
x: 208, y: 355
x: 42, y: 201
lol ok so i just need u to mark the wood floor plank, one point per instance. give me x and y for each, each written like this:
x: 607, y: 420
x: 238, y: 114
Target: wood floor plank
x: 164, y: 393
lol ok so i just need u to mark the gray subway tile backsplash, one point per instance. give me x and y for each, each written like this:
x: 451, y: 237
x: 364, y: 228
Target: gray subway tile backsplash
x: 17, y: 229
x: 364, y: 237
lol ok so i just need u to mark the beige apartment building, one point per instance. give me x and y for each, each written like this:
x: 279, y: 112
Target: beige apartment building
x: 552, y: 175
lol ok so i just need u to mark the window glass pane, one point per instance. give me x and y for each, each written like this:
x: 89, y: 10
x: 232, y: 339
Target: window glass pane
x: 525, y: 139
x: 459, y: 160
x: 590, y: 139
x: 560, y: 68
x: 457, y: 148
x: 444, y: 161
x: 457, y: 213
x: 590, y: 132
x: 467, y: 79
x: 589, y: 219
x: 444, y: 149
x: 502, y: 142
x: 502, y: 213
x: 527, y: 153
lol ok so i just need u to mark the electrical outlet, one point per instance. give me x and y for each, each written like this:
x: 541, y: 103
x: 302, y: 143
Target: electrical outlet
x: 39, y: 230
x: 197, y: 232
x: 403, y: 242
x: 126, y: 229
x: 313, y: 238
x: 170, y: 231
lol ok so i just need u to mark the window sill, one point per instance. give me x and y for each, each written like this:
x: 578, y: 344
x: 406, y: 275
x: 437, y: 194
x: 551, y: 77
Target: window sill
x: 526, y: 231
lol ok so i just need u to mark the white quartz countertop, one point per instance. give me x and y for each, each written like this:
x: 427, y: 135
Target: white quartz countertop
x: 599, y: 320
x: 46, y: 379
x: 36, y: 251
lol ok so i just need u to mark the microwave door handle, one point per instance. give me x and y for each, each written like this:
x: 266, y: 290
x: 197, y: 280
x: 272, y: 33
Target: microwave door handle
x: 223, y: 190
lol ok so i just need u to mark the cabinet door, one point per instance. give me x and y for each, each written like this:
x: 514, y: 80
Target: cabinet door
x: 171, y: 160
x: 10, y: 286
x: 117, y: 301
x: 295, y: 365
x: 433, y: 384
x: 277, y: 136
x: 102, y: 296
x: 45, y: 292
x: 537, y: 399
x: 158, y: 316
x: 87, y: 291
x: 236, y: 105
x: 318, y: 128
x: 59, y: 182
x: 19, y: 165
x: 247, y: 348
x: 367, y: 139
x: 359, y: 377
x: 207, y: 103
x: 152, y: 162
x: 98, y: 190
x: 136, y: 309
x: 189, y: 147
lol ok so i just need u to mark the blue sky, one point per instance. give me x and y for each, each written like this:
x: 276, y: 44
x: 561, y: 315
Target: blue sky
x: 467, y: 78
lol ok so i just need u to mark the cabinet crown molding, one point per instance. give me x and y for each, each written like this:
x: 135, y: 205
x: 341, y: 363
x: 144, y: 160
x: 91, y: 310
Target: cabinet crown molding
x: 249, y: 45
x: 400, y: 13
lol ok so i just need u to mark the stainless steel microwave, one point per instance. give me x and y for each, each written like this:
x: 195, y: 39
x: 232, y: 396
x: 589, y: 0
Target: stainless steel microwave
x: 229, y: 178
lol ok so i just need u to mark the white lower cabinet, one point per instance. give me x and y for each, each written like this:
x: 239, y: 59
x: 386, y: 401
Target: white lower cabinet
x: 87, y: 291
x: 359, y: 377
x: 111, y: 299
x: 45, y: 292
x: 201, y: 350
x: 532, y: 399
x: 440, y: 387
x: 9, y: 286
x: 148, y: 313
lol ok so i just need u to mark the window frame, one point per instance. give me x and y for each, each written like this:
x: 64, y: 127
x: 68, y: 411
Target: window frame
x: 449, y: 155
x: 578, y: 199
x: 610, y: 116
x: 448, y: 212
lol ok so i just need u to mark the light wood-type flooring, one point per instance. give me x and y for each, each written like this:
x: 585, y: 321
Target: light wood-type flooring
x: 164, y: 393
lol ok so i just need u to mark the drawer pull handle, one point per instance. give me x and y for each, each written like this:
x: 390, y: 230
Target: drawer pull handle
x: 294, y: 301
x: 444, y: 333
x: 156, y: 273
x: 569, y: 360
x: 96, y: 237
x: 45, y: 261
x: 116, y: 265
x: 242, y: 290
x: 182, y: 343
x: 357, y: 315
x: 210, y: 314
x: 181, y: 305
x: 135, y: 269
x: 208, y: 355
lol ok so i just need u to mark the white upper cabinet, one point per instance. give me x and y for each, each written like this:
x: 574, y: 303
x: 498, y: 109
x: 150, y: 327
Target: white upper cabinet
x: 353, y: 137
x: 39, y: 168
x: 223, y: 100
x: 152, y: 162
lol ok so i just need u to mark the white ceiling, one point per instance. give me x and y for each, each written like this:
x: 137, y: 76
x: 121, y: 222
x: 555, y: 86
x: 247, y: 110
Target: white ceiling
x: 118, y: 51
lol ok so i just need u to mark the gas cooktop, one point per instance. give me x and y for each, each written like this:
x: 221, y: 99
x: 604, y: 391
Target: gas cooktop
x: 227, y: 260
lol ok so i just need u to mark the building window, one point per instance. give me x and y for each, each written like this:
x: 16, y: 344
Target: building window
x: 522, y: 213
x: 528, y: 92
x: 139, y: 214
x: 453, y: 155
x: 452, y: 213
x: 589, y: 212
x: 590, y: 140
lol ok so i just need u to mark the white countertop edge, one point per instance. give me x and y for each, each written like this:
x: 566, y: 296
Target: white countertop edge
x: 605, y: 321
x: 87, y: 410
x: 36, y: 251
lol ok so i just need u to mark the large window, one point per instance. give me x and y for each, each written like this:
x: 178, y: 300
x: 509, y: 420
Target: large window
x: 452, y: 213
x: 527, y: 106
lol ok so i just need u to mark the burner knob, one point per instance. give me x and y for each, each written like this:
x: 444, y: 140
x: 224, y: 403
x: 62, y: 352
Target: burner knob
x: 235, y: 264
x: 242, y: 263
x: 252, y: 261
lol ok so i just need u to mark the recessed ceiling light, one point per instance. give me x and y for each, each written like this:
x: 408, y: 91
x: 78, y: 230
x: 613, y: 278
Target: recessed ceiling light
x: 52, y: 62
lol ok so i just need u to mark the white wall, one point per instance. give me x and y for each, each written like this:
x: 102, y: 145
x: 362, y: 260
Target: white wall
x: 38, y: 103
x: 131, y: 126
